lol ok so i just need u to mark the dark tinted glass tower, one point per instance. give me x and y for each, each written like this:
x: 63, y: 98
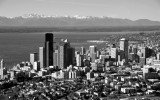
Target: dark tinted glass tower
x: 124, y: 49
x: 48, y: 49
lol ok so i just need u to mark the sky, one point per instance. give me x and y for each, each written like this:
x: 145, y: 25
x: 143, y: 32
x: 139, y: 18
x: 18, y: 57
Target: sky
x: 130, y: 9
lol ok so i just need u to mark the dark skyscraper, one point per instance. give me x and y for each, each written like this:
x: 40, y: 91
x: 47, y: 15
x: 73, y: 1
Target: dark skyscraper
x: 48, y: 49
x: 124, y: 49
x: 71, y: 56
x: 49, y: 37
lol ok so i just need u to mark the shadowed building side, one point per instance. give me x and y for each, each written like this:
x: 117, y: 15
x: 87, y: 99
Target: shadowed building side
x: 66, y: 54
x: 63, y: 54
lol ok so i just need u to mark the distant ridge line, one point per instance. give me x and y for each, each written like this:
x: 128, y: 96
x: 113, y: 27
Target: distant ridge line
x: 76, y: 21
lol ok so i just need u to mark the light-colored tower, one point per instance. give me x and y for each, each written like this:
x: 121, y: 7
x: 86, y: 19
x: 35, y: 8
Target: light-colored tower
x: 97, y: 53
x: 56, y: 58
x: 158, y: 56
x: 124, y: 49
x: 83, y: 50
x: 41, y: 57
x: 78, y: 60
x: 92, y: 50
x: 33, y: 58
x: 36, y: 66
x: 61, y: 56
x: 114, y: 54
x: 1, y: 69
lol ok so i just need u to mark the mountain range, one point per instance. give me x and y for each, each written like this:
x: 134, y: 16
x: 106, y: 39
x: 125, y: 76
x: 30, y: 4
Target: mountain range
x: 76, y: 21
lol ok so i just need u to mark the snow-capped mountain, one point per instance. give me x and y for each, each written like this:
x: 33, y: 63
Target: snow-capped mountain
x: 56, y: 21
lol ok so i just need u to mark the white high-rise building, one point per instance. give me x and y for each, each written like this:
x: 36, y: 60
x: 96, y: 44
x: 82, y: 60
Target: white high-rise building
x: 113, y: 53
x: 41, y: 57
x: 158, y: 56
x: 36, y: 66
x: 92, y: 49
x: 1, y: 69
x: 33, y: 58
x: 78, y: 60
x: 83, y: 51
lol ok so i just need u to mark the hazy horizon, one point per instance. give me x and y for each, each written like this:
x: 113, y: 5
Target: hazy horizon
x: 129, y: 9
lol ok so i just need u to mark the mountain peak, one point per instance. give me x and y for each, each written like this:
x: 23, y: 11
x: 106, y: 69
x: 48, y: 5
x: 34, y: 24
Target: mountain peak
x: 55, y: 21
x: 33, y: 15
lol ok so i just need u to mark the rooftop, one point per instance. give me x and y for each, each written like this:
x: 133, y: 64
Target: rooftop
x: 123, y: 39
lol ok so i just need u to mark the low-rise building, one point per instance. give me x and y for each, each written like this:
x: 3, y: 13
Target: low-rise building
x: 90, y: 75
x: 128, y: 90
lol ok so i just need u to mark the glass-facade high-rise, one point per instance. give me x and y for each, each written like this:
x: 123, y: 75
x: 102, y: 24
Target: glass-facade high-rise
x: 124, y: 49
x: 49, y: 49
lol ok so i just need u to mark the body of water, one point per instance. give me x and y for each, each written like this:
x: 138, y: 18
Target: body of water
x: 16, y: 47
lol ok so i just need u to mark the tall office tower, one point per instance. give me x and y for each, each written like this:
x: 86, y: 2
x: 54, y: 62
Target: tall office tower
x: 78, y: 60
x: 83, y: 50
x: 124, y: 49
x: 94, y: 57
x: 36, y: 66
x: 63, y: 54
x: 48, y: 49
x: 114, y: 54
x: 145, y: 52
x: 33, y: 58
x: 130, y: 49
x: 41, y: 57
x: 97, y: 54
x: 56, y: 58
x: 71, y: 56
x: 92, y: 50
x: 134, y: 49
x: 1, y: 69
